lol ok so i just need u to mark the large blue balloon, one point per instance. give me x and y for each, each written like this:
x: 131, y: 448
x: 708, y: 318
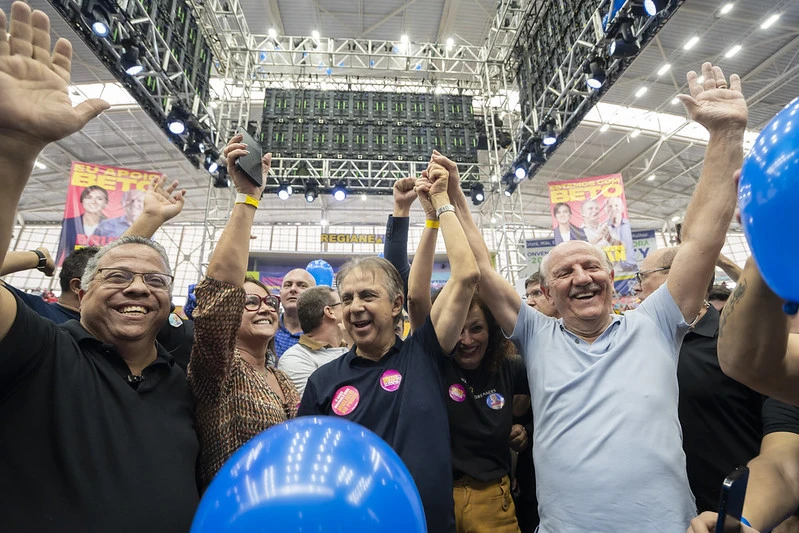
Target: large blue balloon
x: 321, y: 271
x: 767, y: 197
x: 317, y: 474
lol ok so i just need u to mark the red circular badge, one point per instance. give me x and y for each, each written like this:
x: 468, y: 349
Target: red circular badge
x: 457, y: 392
x: 345, y: 400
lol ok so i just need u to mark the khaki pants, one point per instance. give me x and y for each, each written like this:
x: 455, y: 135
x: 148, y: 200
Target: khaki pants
x: 484, y: 506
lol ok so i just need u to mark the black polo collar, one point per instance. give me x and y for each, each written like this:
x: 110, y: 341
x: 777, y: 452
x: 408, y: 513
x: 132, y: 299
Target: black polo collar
x: 83, y: 337
x: 352, y: 357
x: 708, y: 325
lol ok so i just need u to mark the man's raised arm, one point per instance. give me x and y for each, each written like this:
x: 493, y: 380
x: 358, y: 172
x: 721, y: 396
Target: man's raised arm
x: 35, y: 110
x: 504, y: 302
x: 161, y: 203
x: 722, y: 110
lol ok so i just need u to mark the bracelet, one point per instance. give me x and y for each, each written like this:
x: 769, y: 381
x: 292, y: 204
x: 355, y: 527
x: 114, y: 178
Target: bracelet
x: 745, y: 522
x: 444, y: 209
x: 243, y: 198
x: 430, y: 223
x: 42, y: 260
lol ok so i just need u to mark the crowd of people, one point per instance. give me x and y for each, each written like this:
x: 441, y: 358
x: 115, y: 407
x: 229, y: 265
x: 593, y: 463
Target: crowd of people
x: 558, y: 414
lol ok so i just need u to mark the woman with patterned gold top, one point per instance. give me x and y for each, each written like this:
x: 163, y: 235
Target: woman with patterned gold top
x: 237, y: 394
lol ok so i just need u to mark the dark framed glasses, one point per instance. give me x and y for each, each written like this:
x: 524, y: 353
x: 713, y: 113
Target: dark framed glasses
x: 252, y: 302
x: 641, y: 275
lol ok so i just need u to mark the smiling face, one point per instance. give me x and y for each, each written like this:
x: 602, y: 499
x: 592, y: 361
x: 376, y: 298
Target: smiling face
x: 615, y: 210
x: 129, y: 314
x: 134, y: 204
x: 294, y: 284
x: 580, y: 284
x: 590, y: 210
x: 471, y: 347
x: 94, y: 202
x: 369, y: 310
x: 260, y: 325
x: 563, y: 215
x: 652, y: 280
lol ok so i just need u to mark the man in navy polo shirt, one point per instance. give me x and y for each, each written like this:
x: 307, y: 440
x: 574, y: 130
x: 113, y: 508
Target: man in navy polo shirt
x: 393, y: 387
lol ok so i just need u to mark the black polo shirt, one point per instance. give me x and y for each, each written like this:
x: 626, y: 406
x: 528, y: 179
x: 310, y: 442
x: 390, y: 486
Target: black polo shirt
x: 721, y: 419
x: 400, y: 397
x: 480, y: 408
x: 779, y: 417
x: 80, y: 449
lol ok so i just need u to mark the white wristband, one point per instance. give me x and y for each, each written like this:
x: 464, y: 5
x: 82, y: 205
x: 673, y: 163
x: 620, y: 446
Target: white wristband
x: 444, y: 208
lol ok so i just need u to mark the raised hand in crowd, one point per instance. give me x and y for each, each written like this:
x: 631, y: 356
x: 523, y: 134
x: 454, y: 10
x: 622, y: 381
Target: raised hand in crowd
x: 706, y: 523
x: 422, y: 187
x: 233, y: 151
x: 161, y: 204
x: 404, y: 196
x: 713, y: 103
x: 18, y: 261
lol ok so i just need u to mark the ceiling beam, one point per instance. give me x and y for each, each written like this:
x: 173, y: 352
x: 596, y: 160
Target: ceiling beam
x: 388, y: 17
x: 447, y: 20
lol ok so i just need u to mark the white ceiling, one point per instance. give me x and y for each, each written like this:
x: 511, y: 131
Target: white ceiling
x: 768, y: 63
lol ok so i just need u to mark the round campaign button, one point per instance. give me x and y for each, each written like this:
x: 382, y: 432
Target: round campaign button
x: 390, y: 380
x: 345, y: 400
x: 174, y: 320
x: 457, y: 392
x: 495, y: 401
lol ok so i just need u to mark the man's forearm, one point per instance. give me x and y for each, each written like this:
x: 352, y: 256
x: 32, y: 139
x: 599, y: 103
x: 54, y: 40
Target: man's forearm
x: 16, y: 172
x: 729, y: 267
x: 19, y: 261
x: 770, y: 496
x: 144, y: 226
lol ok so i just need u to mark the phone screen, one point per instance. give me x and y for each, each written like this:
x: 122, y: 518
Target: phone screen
x: 250, y: 164
x: 731, y: 503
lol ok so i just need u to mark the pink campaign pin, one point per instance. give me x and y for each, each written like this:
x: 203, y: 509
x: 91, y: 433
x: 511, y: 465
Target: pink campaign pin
x: 495, y: 401
x: 345, y: 400
x: 390, y: 380
x: 457, y: 392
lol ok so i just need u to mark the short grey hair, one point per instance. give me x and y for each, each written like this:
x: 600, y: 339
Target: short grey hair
x: 544, y: 270
x: 311, y: 306
x: 373, y: 264
x: 94, y: 263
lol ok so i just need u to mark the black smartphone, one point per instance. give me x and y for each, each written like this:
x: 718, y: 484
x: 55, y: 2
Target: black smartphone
x: 731, y: 503
x: 250, y: 164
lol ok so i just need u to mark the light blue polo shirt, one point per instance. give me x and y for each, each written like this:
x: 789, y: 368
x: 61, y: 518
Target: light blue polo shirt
x: 607, y: 443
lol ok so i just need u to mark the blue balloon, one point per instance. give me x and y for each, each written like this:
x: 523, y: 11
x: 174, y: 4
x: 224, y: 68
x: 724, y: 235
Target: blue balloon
x: 317, y: 474
x: 767, y: 197
x: 321, y: 271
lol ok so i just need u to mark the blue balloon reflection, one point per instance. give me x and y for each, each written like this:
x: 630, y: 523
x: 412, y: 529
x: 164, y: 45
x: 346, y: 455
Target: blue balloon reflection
x: 320, y: 474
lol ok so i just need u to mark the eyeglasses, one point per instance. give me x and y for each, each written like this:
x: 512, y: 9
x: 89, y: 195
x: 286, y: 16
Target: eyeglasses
x: 641, y: 275
x: 253, y: 302
x: 534, y: 294
x: 120, y: 278
x: 333, y: 305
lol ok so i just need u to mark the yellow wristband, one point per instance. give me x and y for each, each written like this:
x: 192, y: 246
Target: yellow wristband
x: 432, y: 223
x: 243, y: 198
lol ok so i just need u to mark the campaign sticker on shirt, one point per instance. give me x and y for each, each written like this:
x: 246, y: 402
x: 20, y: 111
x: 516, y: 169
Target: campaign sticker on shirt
x: 174, y: 320
x: 345, y: 400
x: 457, y: 392
x: 495, y: 401
x: 390, y: 380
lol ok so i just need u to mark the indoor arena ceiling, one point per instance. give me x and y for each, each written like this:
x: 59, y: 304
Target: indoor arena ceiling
x: 660, y: 166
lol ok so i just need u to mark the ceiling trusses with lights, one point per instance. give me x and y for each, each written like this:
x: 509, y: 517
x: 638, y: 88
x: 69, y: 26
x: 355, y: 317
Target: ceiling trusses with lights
x: 604, y: 142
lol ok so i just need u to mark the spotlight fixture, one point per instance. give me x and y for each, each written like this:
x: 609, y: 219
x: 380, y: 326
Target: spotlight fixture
x: 550, y: 136
x: 510, y: 189
x: 477, y: 193
x: 340, y: 191
x: 211, y: 161
x: 220, y: 179
x: 284, y: 191
x: 625, y: 44
x: 177, y: 120
x: 129, y: 59
x: 520, y: 169
x: 595, y: 73
x: 311, y: 192
x: 97, y: 16
x: 653, y: 7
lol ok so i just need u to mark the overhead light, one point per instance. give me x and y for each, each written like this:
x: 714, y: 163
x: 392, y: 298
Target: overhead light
x: 625, y: 44
x: 635, y: 133
x: 653, y: 7
x: 520, y: 172
x: 311, y: 192
x: 493, y: 220
x: 690, y: 43
x: 272, y: 33
x: 450, y: 43
x: 129, y: 59
x: 769, y: 22
x: 220, y: 179
x: 664, y: 69
x: 604, y: 127
x: 315, y: 35
x: 284, y: 191
x: 212, y: 161
x: 98, y: 17
x: 176, y: 120
x: 323, y: 222
x: 651, y: 178
x: 340, y: 191
x: 511, y: 188
x: 404, y: 39
x: 596, y: 75
x: 732, y: 51
x: 726, y: 8
x: 640, y: 92
x: 40, y: 166
x: 477, y: 193
x: 675, y: 218
x: 363, y: 196
x: 675, y: 101
x: 550, y: 137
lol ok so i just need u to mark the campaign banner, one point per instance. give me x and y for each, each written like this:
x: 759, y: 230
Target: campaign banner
x: 102, y: 202
x: 595, y: 210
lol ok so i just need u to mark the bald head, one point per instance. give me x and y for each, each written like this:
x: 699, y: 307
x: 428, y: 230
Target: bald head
x: 294, y: 284
x: 654, y: 271
x: 567, y: 248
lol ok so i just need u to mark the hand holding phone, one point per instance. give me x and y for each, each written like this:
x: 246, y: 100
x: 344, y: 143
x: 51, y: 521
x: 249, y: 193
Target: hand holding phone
x: 250, y: 164
x: 731, y: 502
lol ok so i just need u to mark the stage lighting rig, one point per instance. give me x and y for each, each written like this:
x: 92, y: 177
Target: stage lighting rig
x: 284, y: 191
x: 129, y: 58
x: 211, y: 161
x: 311, y: 192
x: 220, y: 179
x: 98, y: 15
x: 626, y: 44
x: 340, y: 191
x: 477, y: 193
x: 177, y: 121
x: 595, y: 73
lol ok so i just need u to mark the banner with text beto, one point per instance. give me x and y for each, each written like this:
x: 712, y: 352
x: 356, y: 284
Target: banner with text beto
x: 102, y: 202
x: 595, y: 210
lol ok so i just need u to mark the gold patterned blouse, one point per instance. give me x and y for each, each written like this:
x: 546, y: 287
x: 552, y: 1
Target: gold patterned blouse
x: 233, y: 400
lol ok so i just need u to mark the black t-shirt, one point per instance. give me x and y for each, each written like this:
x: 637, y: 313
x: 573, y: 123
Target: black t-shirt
x: 779, y: 417
x: 721, y: 419
x: 81, y: 450
x: 177, y: 338
x: 52, y: 311
x: 480, y: 409
x: 400, y: 398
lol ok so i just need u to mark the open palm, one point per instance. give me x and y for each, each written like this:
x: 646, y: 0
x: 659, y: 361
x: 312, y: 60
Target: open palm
x: 35, y: 108
x: 712, y: 102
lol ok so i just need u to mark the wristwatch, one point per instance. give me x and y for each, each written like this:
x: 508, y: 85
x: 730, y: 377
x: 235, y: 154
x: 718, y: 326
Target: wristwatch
x: 444, y: 208
x: 42, y: 266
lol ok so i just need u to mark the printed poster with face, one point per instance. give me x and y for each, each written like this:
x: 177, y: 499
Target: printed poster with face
x: 102, y: 202
x: 595, y: 210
